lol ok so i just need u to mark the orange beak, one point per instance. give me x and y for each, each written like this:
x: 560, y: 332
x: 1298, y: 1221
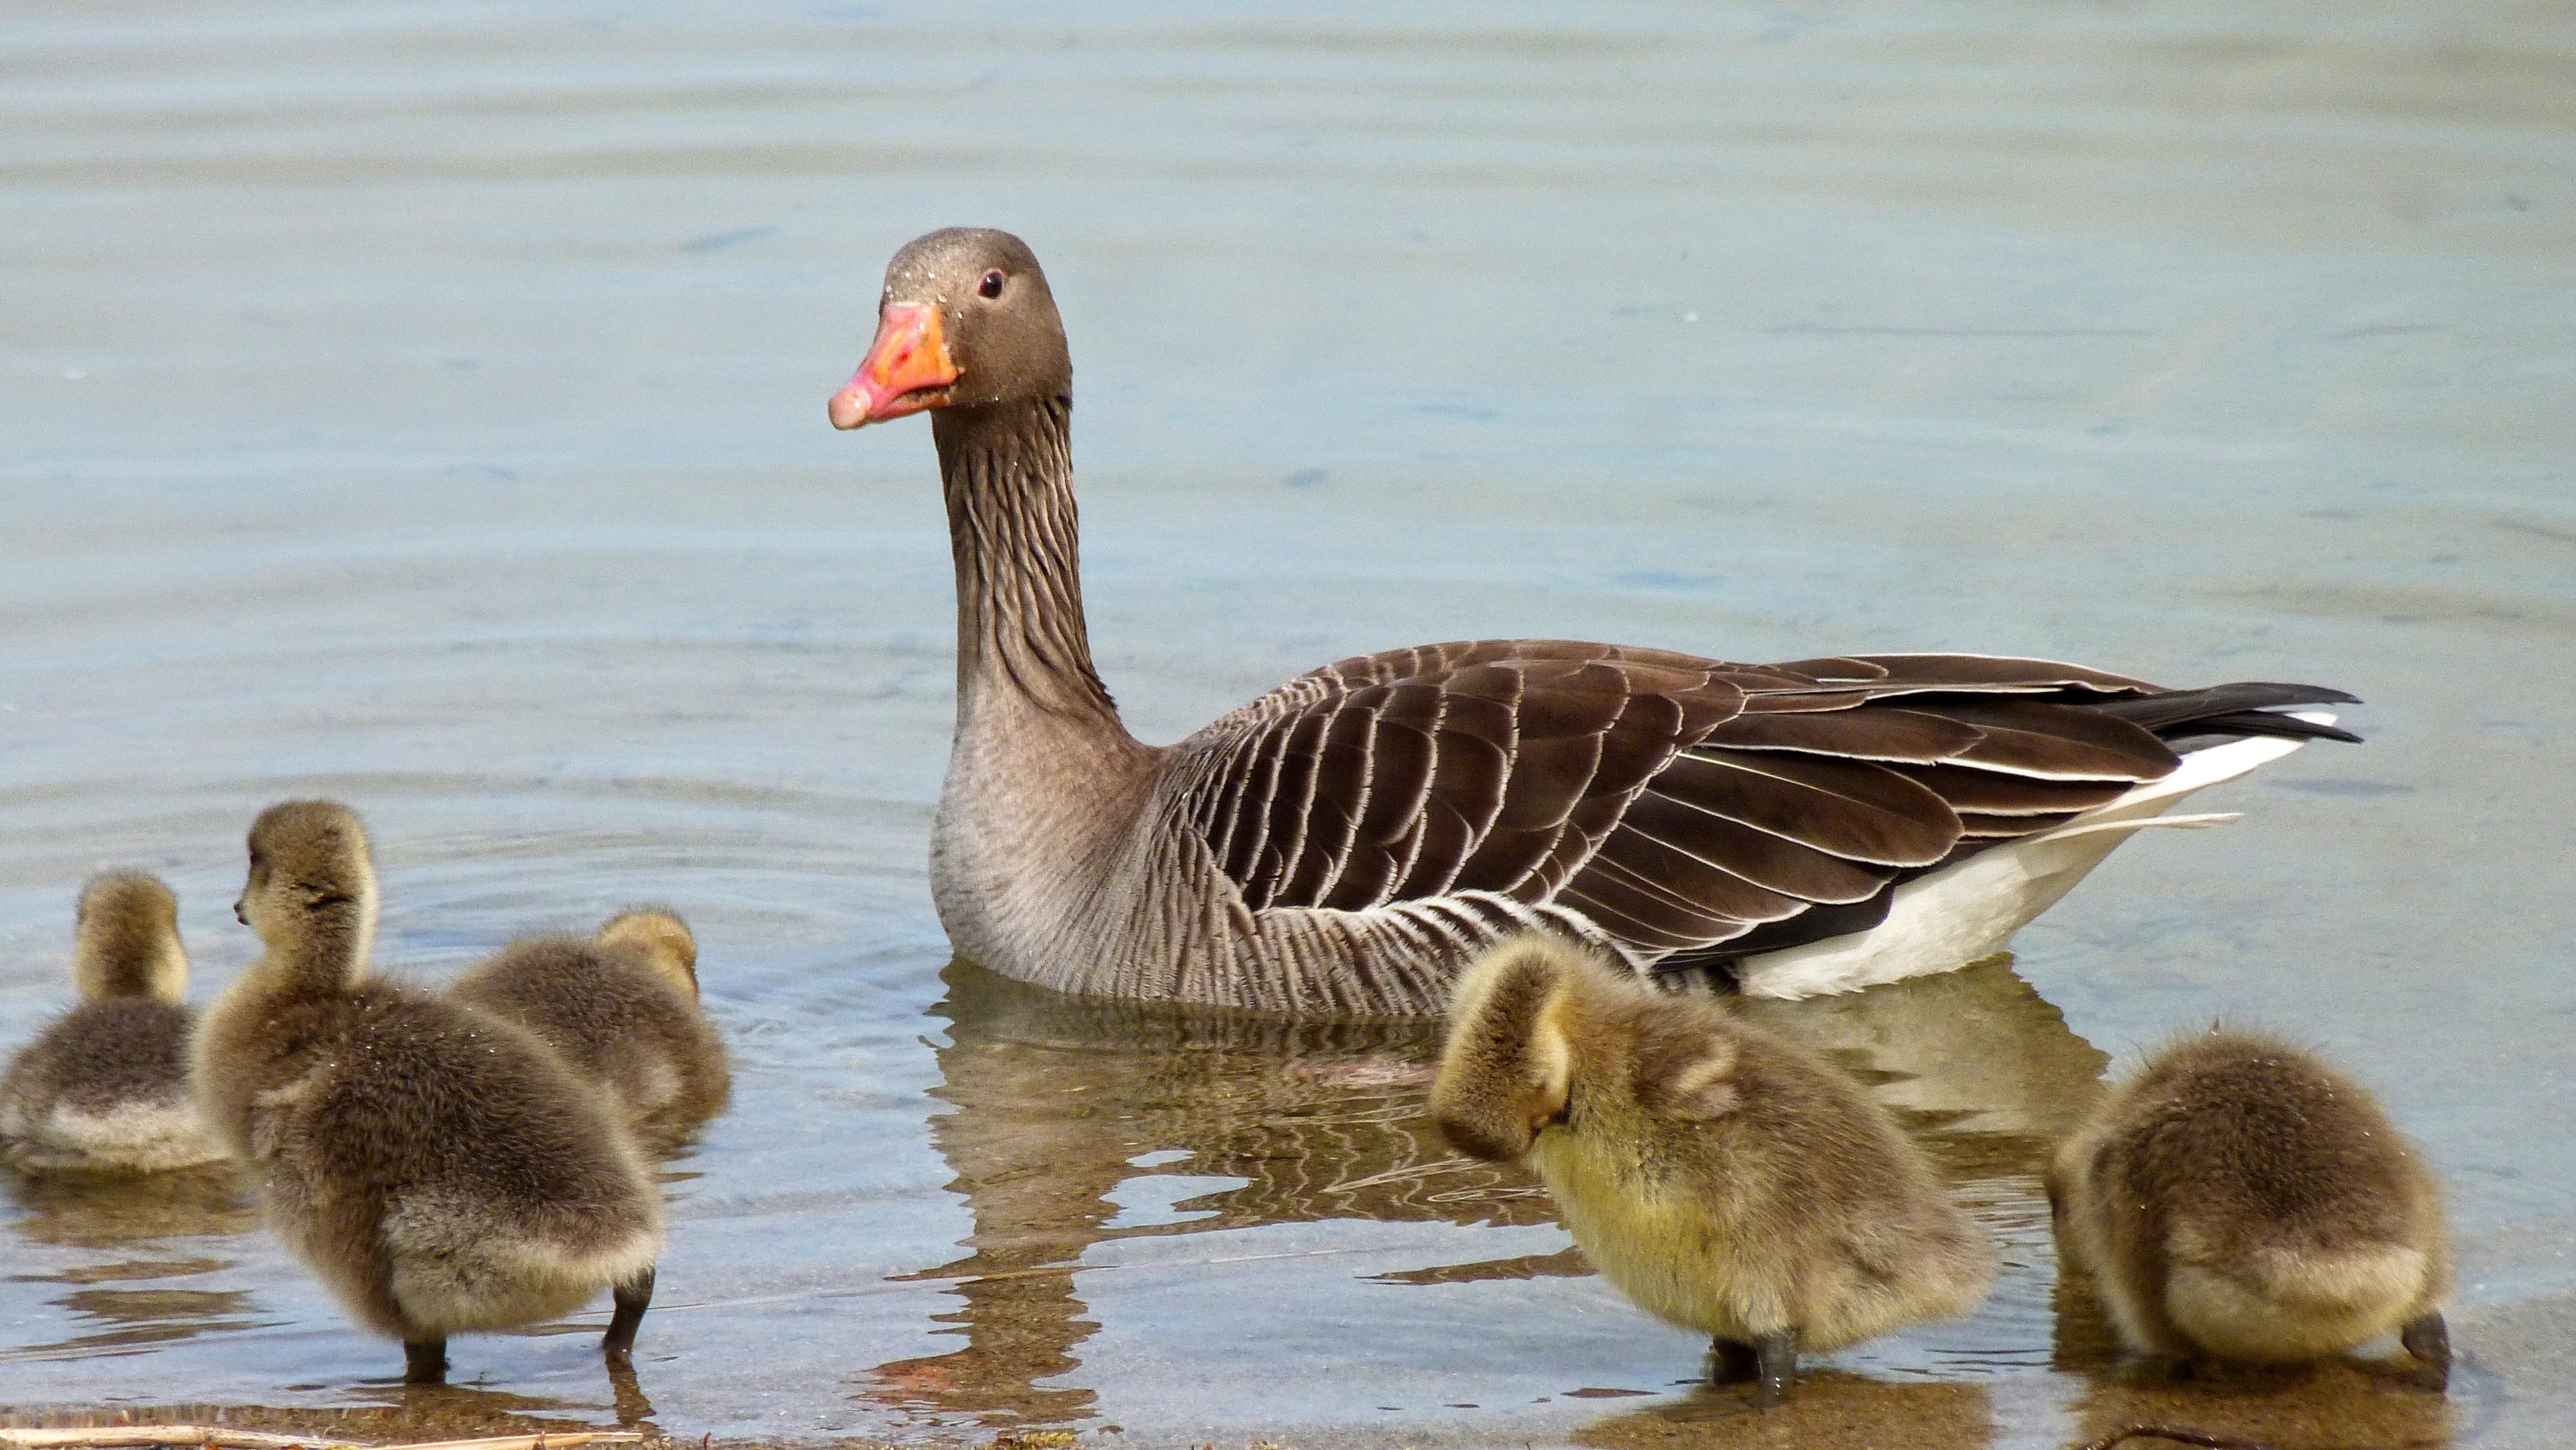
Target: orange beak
x: 907, y: 370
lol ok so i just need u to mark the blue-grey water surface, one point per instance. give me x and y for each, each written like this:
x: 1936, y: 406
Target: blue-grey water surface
x: 423, y: 405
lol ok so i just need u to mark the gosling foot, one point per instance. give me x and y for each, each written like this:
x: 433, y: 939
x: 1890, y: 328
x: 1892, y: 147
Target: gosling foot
x: 2429, y: 1340
x: 1776, y: 1356
x: 425, y: 1361
x: 632, y: 1297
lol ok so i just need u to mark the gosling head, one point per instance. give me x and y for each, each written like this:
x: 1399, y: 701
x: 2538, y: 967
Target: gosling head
x: 1507, y: 1067
x: 312, y: 886
x: 126, y: 940
x: 661, y: 938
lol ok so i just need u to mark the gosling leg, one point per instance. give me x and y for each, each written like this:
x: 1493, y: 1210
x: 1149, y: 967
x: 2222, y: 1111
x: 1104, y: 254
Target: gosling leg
x: 2429, y: 1340
x: 1777, y: 1356
x: 632, y: 1297
x: 425, y: 1361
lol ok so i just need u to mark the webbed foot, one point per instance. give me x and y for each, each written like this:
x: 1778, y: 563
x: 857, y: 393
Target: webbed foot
x: 2429, y: 1340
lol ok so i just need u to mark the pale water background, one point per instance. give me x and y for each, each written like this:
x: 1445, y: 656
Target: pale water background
x: 423, y: 405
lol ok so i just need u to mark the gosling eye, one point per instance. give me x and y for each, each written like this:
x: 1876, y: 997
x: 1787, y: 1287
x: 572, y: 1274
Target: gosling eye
x: 991, y: 285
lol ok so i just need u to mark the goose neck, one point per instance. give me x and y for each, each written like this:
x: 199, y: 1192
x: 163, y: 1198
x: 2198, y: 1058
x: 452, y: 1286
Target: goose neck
x: 1023, y: 647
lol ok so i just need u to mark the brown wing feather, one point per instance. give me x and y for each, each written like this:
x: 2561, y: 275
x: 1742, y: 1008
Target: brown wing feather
x: 1885, y: 733
x: 1680, y: 803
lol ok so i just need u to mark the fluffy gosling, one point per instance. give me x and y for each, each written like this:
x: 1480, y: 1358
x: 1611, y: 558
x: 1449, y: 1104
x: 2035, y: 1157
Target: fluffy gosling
x: 1722, y: 1178
x: 2240, y: 1200
x: 440, y: 1170
x: 105, y: 1088
x: 620, y: 1007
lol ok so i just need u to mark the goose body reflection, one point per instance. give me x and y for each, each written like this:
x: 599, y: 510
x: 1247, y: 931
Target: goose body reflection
x: 2238, y: 1199
x: 439, y: 1169
x: 1723, y: 1178
x: 620, y: 1007
x: 106, y: 1086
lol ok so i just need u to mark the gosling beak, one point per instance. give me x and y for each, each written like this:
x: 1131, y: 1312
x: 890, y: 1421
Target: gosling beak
x: 238, y: 914
x: 907, y: 370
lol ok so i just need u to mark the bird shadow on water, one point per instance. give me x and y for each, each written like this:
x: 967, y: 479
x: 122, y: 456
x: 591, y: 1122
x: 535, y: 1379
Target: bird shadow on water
x: 1057, y: 1101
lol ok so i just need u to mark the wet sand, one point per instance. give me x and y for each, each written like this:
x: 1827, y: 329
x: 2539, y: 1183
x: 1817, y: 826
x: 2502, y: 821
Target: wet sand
x: 424, y: 406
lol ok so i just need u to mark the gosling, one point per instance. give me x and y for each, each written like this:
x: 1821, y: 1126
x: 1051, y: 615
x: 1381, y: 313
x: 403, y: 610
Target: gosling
x: 105, y: 1088
x: 1722, y: 1178
x: 620, y: 1007
x: 2239, y: 1200
x: 440, y: 1170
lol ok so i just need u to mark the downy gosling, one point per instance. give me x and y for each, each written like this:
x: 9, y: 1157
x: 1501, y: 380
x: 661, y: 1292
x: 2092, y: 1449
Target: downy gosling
x: 1722, y: 1178
x: 621, y: 1007
x: 105, y: 1088
x: 441, y: 1171
x: 2239, y: 1200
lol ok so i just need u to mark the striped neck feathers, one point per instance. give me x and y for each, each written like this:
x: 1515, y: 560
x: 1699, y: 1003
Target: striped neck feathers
x: 1007, y: 472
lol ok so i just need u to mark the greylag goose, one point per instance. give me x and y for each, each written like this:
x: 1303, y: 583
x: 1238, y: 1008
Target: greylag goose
x: 1724, y: 1179
x: 1346, y: 842
x: 439, y: 1169
x: 2240, y: 1200
x: 620, y: 1007
x: 106, y: 1086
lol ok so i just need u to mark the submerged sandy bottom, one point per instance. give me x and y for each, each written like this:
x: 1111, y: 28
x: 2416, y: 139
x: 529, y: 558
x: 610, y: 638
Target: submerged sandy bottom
x: 424, y: 407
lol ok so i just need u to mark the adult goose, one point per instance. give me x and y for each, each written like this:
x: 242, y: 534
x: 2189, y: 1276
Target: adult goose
x: 1347, y: 842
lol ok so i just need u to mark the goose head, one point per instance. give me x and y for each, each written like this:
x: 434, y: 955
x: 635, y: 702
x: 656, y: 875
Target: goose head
x: 966, y: 321
x: 312, y: 886
x: 661, y: 939
x: 127, y: 940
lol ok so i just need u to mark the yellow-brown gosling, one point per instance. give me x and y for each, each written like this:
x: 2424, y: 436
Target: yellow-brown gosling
x: 620, y: 1006
x: 441, y: 1170
x: 2239, y: 1200
x: 1724, y: 1179
x: 105, y: 1088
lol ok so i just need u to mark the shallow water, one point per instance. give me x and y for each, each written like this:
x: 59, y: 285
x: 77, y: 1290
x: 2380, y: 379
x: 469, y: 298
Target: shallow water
x: 423, y: 406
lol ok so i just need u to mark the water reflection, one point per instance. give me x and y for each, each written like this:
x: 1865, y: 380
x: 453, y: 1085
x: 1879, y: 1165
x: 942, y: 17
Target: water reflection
x: 1976, y: 1053
x: 97, y: 1211
x: 2341, y: 1402
x: 394, y: 1412
x: 143, y: 1317
x: 1831, y: 1408
x: 1078, y: 1121
x: 1060, y: 1101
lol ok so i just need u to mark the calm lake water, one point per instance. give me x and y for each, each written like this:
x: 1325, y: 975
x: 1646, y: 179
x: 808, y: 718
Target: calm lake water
x: 423, y: 405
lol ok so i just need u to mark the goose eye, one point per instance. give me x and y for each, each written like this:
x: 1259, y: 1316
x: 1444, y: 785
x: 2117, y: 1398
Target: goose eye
x: 992, y: 284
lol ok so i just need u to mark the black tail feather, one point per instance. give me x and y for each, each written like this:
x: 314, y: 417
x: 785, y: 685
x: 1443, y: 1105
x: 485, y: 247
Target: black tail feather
x: 2237, y: 710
